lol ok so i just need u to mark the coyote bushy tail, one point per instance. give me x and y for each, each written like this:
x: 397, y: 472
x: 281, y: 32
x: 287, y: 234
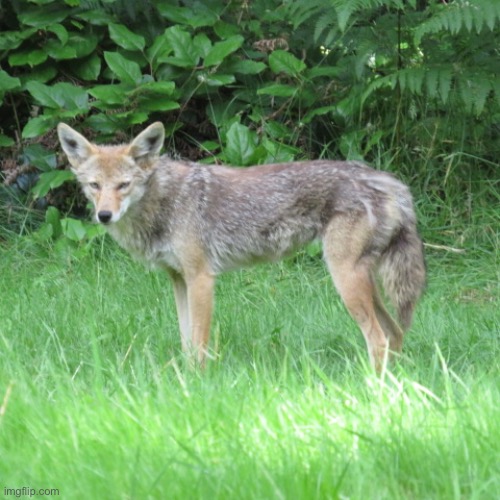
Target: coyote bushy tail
x: 402, y: 269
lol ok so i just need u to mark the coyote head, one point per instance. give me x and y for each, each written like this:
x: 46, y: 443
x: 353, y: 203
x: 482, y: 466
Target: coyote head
x: 113, y: 177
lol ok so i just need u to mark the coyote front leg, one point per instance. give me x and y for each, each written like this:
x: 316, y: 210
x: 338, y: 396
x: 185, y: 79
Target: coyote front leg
x: 194, y: 303
x: 200, y: 298
x: 181, y: 303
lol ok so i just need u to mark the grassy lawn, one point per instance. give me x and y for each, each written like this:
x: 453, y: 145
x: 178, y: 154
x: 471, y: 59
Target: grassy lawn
x: 96, y: 400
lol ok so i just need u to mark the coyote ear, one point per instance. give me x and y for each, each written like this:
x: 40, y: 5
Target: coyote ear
x: 76, y: 147
x: 145, y: 148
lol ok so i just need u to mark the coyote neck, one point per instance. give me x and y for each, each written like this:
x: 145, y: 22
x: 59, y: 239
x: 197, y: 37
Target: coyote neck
x: 147, y: 223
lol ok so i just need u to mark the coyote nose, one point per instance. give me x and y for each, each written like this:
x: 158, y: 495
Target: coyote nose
x: 104, y: 216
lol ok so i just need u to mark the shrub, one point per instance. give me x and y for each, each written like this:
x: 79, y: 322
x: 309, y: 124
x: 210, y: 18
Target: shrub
x: 410, y: 83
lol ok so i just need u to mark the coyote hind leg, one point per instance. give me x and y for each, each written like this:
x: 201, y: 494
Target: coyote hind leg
x: 390, y: 327
x: 344, y: 245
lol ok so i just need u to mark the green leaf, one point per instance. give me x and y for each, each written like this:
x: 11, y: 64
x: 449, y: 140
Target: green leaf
x: 58, y: 51
x: 76, y: 47
x: 44, y: 232
x: 42, y: 74
x: 160, y: 49
x: 222, y: 49
x: 39, y: 126
x: 45, y: 95
x: 202, y: 44
x: 10, y: 40
x: 51, y: 180
x: 130, y: 118
x: 278, y: 90
x: 60, y: 31
x: 96, y: 17
x: 104, y: 123
x: 88, y: 69
x: 29, y: 57
x: 111, y: 94
x: 53, y: 219
x: 123, y: 37
x: 225, y: 30
x: 40, y: 157
x: 59, y: 96
x: 216, y: 80
x: 157, y: 104
x: 185, y: 52
x: 153, y: 96
x: 241, y: 144
x: 281, y: 61
x: 42, y: 2
x: 276, y: 152
x: 197, y: 15
x: 73, y: 229
x: 41, y: 17
x: 6, y: 141
x: 126, y: 71
x: 317, y: 112
x: 160, y: 88
x: 209, y: 145
x: 319, y: 71
x: 277, y: 130
x: 84, y: 44
x: 8, y: 82
x: 245, y: 67
x: 350, y: 145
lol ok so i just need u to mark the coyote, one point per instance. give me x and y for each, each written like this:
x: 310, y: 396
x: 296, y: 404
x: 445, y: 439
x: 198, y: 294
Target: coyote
x: 196, y: 221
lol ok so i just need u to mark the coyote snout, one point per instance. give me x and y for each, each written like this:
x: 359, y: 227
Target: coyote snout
x: 104, y: 216
x: 196, y: 221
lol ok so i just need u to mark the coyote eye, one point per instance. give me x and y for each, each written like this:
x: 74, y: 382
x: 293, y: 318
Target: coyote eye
x: 123, y: 185
x: 94, y: 185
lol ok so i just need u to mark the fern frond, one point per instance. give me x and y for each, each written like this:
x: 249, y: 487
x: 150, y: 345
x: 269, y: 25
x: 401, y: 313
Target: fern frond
x: 388, y: 81
x: 432, y: 83
x: 345, y: 10
x: 412, y: 79
x: 302, y: 11
x: 495, y: 85
x: 327, y: 21
x: 445, y: 78
x: 491, y: 12
x: 470, y: 90
x: 474, y: 93
x: 462, y: 14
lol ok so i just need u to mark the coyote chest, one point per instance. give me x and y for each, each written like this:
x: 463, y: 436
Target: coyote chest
x: 134, y: 237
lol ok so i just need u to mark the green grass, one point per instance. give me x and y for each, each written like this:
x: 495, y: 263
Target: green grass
x: 98, y: 403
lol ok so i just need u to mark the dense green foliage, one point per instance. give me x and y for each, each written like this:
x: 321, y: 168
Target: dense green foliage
x: 412, y: 84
